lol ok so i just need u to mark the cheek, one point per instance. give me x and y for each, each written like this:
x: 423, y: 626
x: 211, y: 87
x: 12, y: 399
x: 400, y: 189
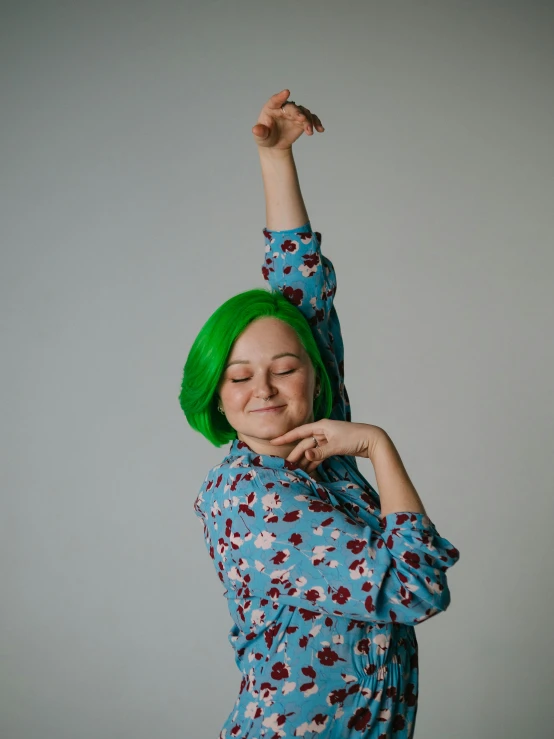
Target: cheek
x: 302, y: 389
x: 233, y: 395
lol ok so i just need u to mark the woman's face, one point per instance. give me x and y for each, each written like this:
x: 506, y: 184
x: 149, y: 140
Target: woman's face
x: 268, y: 385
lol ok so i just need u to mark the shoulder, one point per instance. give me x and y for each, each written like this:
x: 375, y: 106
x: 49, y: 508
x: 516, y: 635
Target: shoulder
x: 235, y: 477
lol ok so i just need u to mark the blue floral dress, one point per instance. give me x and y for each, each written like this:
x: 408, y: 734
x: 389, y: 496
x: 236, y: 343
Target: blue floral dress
x: 324, y: 593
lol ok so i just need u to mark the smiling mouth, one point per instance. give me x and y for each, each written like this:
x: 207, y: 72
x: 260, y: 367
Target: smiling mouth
x: 273, y: 409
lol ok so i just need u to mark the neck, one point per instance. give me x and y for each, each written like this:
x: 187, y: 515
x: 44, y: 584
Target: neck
x: 263, y: 446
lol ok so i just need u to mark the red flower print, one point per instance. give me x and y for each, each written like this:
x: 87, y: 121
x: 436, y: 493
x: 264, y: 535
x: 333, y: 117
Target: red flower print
x: 356, y: 546
x: 279, y: 558
x: 311, y: 260
x: 342, y: 595
x: 411, y: 558
x: 289, y: 246
x: 409, y: 696
x: 318, y: 506
x: 398, y: 723
x: 291, y: 516
x: 313, y: 595
x: 308, y: 615
x: 337, y: 696
x: 280, y: 671
x: 294, y: 296
x: 270, y: 633
x: 360, y: 719
x: 320, y: 719
x: 369, y: 604
x: 328, y: 656
x: 309, y: 672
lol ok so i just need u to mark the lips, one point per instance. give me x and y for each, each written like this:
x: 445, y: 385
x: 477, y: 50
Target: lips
x: 270, y: 409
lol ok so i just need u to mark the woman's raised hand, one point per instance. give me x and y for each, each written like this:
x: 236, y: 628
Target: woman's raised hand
x: 279, y: 129
x: 333, y: 437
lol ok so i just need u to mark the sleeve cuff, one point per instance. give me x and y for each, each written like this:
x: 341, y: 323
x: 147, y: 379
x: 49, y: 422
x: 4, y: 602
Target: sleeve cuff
x: 407, y: 520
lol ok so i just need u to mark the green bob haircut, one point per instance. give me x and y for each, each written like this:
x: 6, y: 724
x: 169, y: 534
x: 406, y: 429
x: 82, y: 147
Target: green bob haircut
x: 208, y: 356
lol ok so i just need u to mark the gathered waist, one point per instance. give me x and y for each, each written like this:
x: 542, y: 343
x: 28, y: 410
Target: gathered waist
x: 290, y: 650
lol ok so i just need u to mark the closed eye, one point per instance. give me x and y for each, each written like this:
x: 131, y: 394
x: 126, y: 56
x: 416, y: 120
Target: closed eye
x: 244, y: 379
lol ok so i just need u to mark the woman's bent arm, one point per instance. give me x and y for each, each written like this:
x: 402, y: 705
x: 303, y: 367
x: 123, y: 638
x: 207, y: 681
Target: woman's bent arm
x: 396, y: 490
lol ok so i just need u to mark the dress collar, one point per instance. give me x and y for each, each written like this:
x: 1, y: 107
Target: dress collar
x: 241, y: 449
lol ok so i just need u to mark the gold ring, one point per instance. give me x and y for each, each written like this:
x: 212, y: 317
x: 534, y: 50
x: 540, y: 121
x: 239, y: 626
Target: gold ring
x: 315, y: 441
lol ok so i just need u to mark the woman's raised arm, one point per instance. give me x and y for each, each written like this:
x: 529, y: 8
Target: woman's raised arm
x: 293, y: 261
x: 284, y: 204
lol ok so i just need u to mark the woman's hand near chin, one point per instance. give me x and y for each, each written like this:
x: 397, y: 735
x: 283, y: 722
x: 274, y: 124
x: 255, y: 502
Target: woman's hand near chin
x: 333, y: 438
x: 396, y: 490
x: 278, y: 129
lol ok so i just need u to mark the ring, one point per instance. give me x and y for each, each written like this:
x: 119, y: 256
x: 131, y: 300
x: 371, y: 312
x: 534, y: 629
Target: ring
x: 316, y: 441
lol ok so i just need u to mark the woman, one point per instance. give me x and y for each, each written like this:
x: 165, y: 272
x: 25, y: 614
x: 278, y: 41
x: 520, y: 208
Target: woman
x: 325, y: 578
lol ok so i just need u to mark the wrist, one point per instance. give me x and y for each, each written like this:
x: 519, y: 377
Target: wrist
x: 378, y: 443
x: 270, y: 152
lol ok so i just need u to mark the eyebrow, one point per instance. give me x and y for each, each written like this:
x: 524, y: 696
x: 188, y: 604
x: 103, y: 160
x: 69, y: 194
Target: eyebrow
x: 277, y: 356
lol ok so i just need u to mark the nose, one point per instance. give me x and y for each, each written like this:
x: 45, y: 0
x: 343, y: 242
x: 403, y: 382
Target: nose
x: 264, y: 388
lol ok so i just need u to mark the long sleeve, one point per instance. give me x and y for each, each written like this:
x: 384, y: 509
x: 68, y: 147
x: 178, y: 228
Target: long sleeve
x: 286, y: 543
x: 295, y: 266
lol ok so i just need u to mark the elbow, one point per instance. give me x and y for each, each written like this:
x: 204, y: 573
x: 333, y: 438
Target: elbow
x: 436, y: 601
x: 419, y: 601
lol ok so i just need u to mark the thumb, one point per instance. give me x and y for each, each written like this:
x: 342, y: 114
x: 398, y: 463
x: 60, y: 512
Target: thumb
x: 260, y: 131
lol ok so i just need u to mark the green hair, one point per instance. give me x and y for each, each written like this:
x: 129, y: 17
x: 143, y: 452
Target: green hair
x: 208, y: 356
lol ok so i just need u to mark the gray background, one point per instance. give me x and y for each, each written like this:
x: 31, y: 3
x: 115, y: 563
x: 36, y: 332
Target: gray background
x: 132, y: 206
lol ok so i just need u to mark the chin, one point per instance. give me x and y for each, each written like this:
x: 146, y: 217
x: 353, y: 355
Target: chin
x: 271, y: 427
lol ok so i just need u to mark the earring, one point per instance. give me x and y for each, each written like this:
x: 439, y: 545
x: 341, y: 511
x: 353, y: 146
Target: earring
x: 317, y: 393
x: 220, y: 409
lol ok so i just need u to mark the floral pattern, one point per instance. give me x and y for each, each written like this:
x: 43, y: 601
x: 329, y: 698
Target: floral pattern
x: 324, y: 592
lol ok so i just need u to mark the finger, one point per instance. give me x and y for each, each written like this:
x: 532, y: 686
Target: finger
x: 312, y: 467
x: 275, y: 101
x: 318, y: 123
x: 300, y: 432
x: 298, y: 453
x: 290, y: 110
x: 309, y: 126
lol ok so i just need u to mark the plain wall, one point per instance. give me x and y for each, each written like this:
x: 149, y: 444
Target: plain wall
x: 132, y: 206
